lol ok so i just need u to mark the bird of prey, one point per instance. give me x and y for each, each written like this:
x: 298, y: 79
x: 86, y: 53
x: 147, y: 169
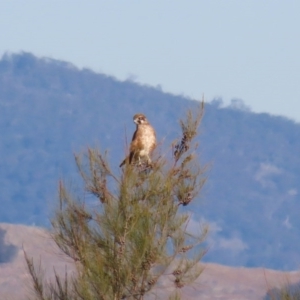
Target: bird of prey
x: 143, y: 141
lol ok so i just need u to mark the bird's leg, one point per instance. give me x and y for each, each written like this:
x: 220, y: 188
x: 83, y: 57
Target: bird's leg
x: 149, y: 162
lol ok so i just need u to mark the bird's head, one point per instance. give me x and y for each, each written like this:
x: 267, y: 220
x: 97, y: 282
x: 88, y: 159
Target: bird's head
x: 139, y: 119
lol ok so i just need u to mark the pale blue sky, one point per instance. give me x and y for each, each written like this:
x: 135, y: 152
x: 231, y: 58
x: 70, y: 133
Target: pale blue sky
x: 245, y: 49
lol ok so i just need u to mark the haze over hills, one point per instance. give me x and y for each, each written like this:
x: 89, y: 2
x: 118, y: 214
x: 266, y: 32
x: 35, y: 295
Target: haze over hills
x: 50, y: 109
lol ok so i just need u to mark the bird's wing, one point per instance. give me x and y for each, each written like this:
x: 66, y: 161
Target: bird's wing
x: 133, y: 146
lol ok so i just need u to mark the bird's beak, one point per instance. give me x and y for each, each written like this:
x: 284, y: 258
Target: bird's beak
x: 136, y: 121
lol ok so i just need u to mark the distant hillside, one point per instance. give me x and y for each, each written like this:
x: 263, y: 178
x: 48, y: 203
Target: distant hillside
x: 50, y: 109
x: 217, y: 282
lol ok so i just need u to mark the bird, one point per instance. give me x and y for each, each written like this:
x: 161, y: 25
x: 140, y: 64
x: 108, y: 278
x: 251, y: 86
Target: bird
x: 143, y: 141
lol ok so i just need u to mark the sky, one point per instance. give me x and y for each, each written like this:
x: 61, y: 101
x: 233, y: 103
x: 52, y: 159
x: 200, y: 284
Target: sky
x: 234, y: 49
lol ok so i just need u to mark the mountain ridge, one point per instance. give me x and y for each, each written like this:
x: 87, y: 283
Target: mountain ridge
x: 51, y: 109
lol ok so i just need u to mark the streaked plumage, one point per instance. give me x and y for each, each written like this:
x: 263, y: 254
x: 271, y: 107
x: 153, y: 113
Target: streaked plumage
x: 143, y: 141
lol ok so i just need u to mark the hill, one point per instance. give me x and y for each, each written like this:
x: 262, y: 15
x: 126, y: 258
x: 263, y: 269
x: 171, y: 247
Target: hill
x: 50, y: 109
x: 216, y: 282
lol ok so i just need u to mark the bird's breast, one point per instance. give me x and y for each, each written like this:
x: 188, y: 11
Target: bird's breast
x: 145, y: 139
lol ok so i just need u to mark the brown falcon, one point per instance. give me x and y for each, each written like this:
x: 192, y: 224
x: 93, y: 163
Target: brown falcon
x: 143, y: 141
